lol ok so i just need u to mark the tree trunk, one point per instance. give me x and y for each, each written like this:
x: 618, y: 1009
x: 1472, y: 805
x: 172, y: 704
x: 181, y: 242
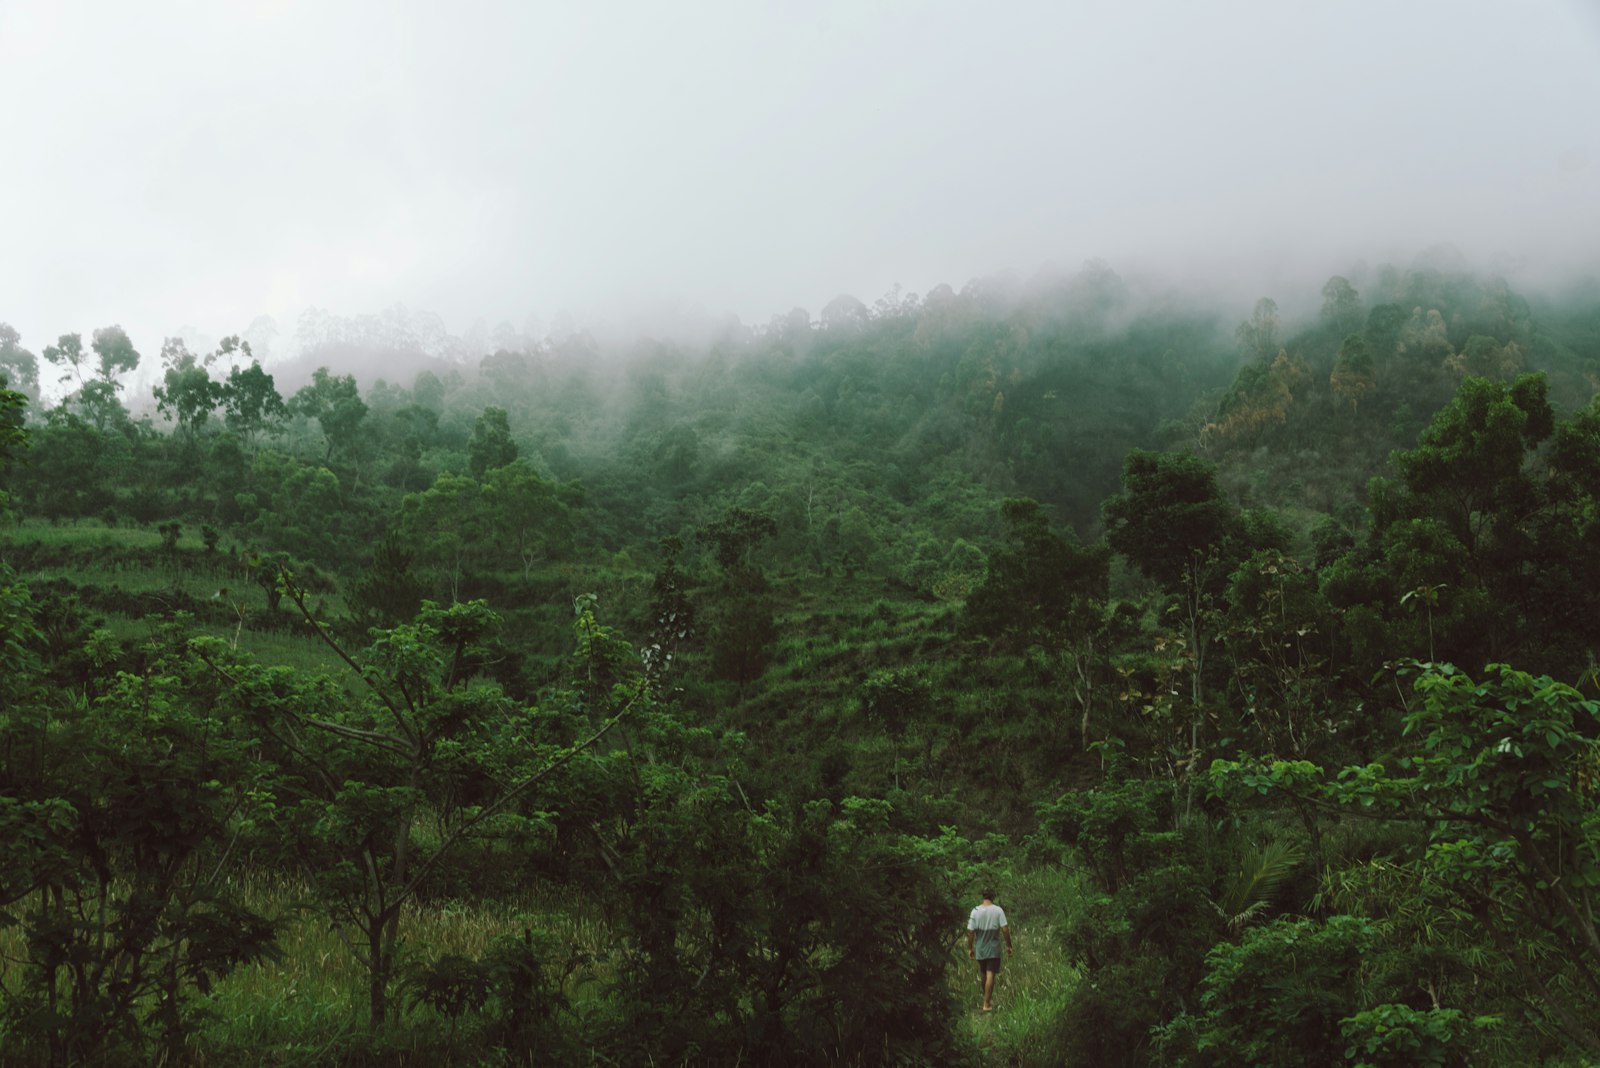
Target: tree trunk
x: 377, y: 976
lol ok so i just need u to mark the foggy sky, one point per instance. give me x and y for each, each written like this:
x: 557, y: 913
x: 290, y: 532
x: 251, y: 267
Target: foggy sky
x: 199, y: 164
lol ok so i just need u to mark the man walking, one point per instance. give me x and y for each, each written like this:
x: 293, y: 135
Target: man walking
x: 985, y: 929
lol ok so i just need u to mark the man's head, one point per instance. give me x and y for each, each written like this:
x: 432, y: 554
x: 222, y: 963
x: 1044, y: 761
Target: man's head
x: 988, y: 897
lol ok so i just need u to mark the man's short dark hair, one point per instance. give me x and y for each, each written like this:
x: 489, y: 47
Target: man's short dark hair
x: 988, y: 895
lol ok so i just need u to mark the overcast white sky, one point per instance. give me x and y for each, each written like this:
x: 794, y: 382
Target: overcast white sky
x: 202, y: 163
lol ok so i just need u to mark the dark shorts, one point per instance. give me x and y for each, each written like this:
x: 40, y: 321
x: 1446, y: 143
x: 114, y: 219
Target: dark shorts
x: 989, y: 964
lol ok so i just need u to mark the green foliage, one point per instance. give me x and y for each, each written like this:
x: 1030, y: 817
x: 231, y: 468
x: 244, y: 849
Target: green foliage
x: 672, y: 614
x: 19, y: 637
x: 1169, y: 517
x: 335, y: 403
x: 250, y: 401
x: 1468, y: 465
x: 187, y: 393
x: 742, y: 631
x: 1400, y: 1036
x: 736, y: 535
x: 490, y: 446
x: 898, y: 699
x: 448, y: 526
x: 1341, y: 305
x: 96, y: 395
x: 528, y: 978
x: 738, y: 946
x: 72, y: 467
x: 67, y: 354
x: 1040, y: 586
x: 1354, y: 374
x: 511, y: 518
x: 1277, y: 631
x: 13, y: 438
x: 305, y: 517
x: 451, y: 986
x: 388, y: 593
x: 1111, y: 828
x: 1503, y: 781
x: 741, y: 621
x: 115, y: 351
x: 1260, y: 877
x: 1143, y: 935
x: 1276, y: 997
x: 428, y: 737
x: 1477, y: 550
x: 530, y: 520
x: 1258, y: 336
x: 119, y: 813
x: 18, y: 366
x: 835, y: 723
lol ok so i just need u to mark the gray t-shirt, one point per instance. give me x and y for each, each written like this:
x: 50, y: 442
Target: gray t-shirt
x: 986, y: 920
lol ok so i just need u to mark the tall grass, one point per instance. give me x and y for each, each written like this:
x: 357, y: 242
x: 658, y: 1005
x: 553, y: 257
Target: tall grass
x: 310, y: 1006
x: 1035, y: 983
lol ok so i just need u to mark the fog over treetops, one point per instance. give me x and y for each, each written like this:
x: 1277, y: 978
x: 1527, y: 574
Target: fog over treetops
x: 508, y: 511
x: 187, y: 169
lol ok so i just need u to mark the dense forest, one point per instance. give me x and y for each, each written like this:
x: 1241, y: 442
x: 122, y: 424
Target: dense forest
x: 559, y: 701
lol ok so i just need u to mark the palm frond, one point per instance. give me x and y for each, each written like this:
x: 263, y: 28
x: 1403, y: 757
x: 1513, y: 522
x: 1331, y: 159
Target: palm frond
x: 1252, y: 888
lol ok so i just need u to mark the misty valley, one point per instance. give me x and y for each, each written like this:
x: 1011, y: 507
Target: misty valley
x: 392, y: 698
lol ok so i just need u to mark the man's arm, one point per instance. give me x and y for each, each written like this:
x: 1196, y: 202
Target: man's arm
x: 972, y: 943
x: 1005, y: 932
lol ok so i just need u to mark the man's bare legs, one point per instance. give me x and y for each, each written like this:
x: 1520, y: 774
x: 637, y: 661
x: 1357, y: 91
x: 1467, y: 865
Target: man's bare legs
x: 986, y: 977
